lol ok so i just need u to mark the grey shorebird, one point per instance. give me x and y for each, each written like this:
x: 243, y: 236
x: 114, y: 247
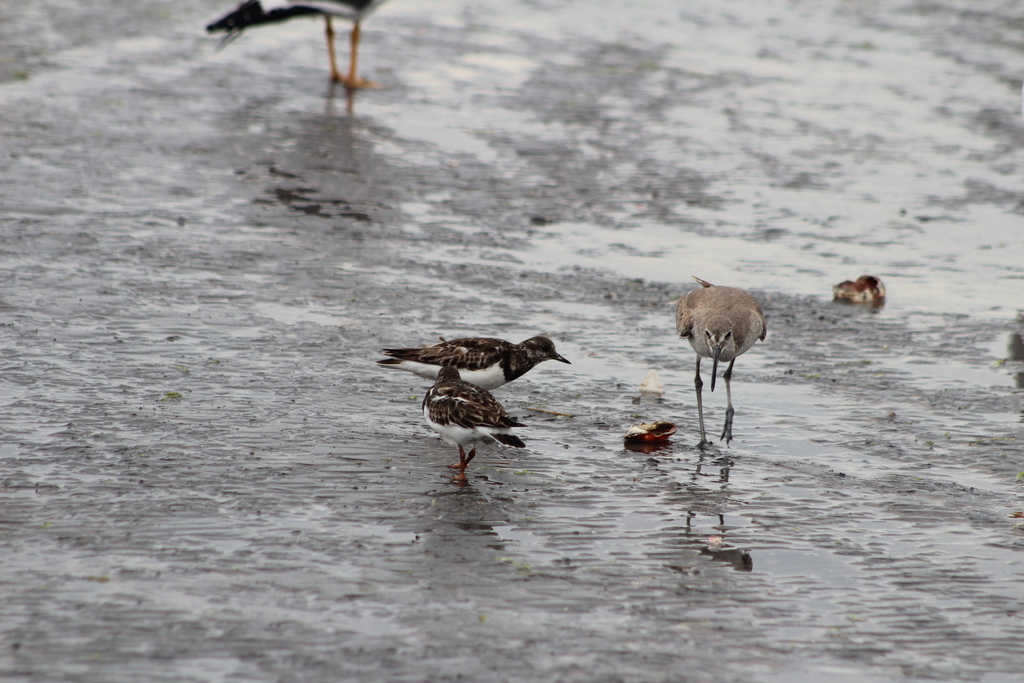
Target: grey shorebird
x: 720, y: 323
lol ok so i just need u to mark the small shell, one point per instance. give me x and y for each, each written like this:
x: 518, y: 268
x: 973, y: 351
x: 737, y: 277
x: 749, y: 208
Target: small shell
x: 866, y: 289
x: 652, y: 386
x: 651, y: 431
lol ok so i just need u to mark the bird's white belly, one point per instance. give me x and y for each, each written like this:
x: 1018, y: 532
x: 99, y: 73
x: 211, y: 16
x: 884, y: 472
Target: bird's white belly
x: 703, y: 349
x: 489, y: 378
x: 729, y: 351
x: 424, y: 370
x: 456, y: 435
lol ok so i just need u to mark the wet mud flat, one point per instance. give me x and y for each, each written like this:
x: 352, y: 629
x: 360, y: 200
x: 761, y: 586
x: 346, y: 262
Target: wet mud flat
x: 204, y: 476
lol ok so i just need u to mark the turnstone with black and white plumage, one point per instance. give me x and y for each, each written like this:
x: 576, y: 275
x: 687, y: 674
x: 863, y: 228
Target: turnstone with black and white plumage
x: 258, y: 12
x: 485, y: 362
x: 466, y: 415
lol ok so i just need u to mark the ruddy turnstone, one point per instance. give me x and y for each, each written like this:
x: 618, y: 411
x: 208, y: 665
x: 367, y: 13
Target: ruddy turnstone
x: 256, y: 12
x: 464, y: 414
x: 867, y: 289
x: 485, y: 362
x: 720, y: 323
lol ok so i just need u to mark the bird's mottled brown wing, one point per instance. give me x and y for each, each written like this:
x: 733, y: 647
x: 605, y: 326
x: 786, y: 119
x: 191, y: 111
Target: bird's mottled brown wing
x: 471, y: 353
x: 466, y: 405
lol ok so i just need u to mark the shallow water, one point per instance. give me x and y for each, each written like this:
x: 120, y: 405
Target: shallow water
x: 206, y: 478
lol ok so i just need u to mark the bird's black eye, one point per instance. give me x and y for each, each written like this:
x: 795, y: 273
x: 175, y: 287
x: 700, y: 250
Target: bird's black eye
x: 728, y: 334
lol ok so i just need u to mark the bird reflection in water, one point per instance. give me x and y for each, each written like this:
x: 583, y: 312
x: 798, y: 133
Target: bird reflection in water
x: 739, y: 559
x: 1015, y: 352
x: 461, y: 526
x: 699, y: 476
x: 723, y: 463
x: 716, y: 547
x: 714, y: 544
x: 332, y: 92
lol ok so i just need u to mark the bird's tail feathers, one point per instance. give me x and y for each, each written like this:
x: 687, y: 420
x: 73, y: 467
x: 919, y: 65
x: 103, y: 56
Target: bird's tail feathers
x: 509, y: 439
x: 228, y: 38
x: 251, y: 13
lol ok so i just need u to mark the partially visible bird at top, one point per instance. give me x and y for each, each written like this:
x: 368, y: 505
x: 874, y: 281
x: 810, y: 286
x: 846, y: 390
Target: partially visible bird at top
x: 720, y: 323
x: 483, y: 361
x: 257, y: 12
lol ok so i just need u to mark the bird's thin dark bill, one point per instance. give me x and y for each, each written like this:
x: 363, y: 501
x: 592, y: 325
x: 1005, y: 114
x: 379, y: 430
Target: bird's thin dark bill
x: 714, y: 366
x: 560, y: 359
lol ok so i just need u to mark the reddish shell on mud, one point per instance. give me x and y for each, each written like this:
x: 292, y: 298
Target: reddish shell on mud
x: 651, y: 431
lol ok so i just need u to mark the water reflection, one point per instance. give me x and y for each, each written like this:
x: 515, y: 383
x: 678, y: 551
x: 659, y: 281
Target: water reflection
x: 738, y: 558
x: 718, y: 549
x: 648, y: 447
x: 333, y: 89
x: 713, y: 545
x: 1015, y: 352
x: 708, y: 470
x: 460, y: 524
x: 723, y: 462
x: 342, y: 188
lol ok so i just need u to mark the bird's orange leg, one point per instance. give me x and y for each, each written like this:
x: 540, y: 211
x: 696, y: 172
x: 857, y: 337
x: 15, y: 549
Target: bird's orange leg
x: 354, y: 82
x: 353, y: 55
x: 335, y: 74
x: 463, y: 461
x: 461, y: 478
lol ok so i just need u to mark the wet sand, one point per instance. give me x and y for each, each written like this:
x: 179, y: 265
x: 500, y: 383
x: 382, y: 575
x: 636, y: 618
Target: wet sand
x: 204, y: 476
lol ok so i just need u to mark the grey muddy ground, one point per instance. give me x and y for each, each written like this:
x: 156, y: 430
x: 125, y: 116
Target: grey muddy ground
x: 205, y: 477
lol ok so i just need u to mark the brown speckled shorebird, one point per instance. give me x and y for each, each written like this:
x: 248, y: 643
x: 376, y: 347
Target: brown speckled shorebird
x: 720, y: 323
x: 466, y: 415
x: 485, y: 362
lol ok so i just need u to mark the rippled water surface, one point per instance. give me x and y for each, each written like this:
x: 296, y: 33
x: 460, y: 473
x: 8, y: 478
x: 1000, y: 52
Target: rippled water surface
x: 205, y: 477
